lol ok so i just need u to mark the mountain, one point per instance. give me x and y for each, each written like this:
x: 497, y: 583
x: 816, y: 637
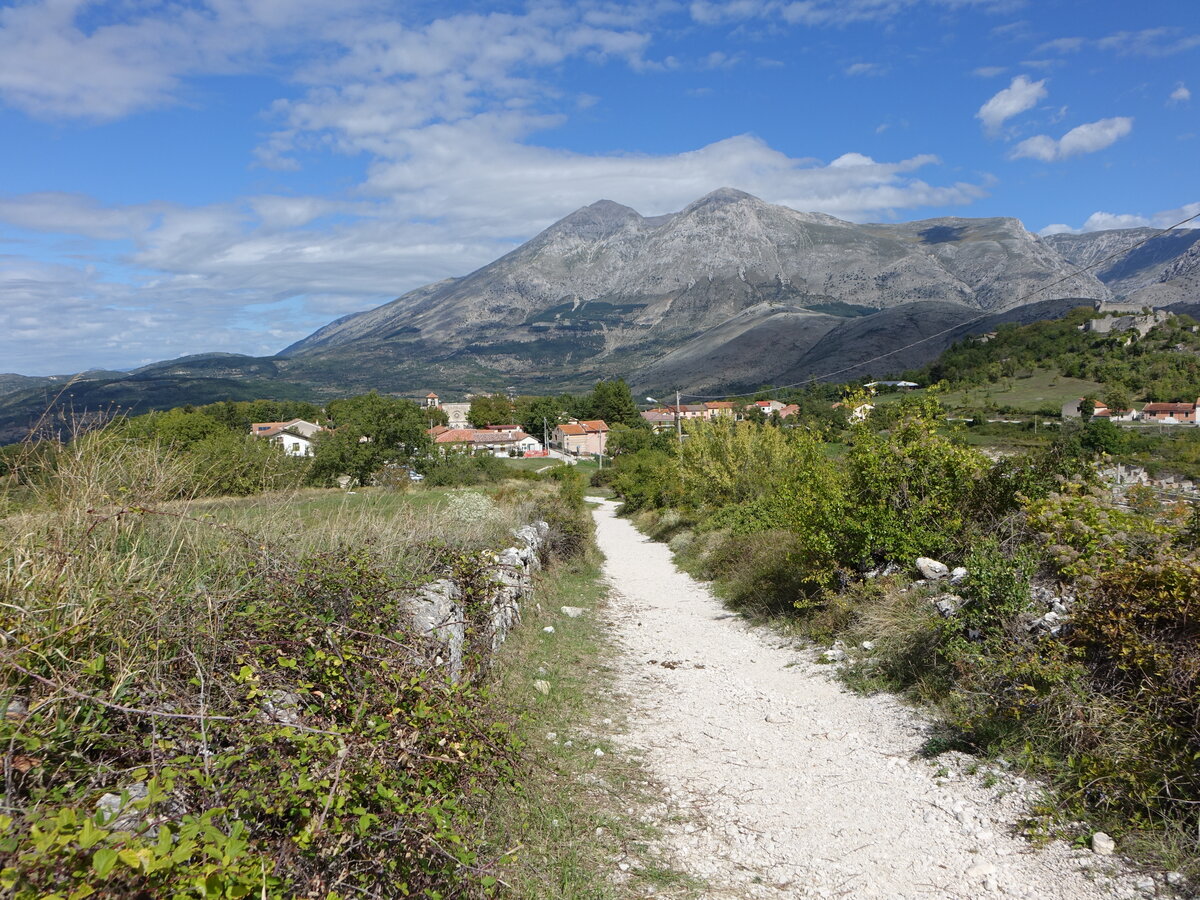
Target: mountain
x: 609, y: 291
x: 1149, y: 264
x: 729, y: 292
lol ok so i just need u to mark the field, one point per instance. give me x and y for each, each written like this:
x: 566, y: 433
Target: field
x: 1039, y: 391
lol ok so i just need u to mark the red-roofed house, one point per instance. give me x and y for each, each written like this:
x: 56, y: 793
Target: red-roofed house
x: 497, y: 442
x: 582, y: 438
x: 1170, y: 413
x: 717, y: 408
x: 295, y: 437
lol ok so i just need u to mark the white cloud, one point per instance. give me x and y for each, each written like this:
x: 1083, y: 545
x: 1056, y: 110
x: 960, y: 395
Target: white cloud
x: 1150, y: 42
x: 1079, y: 140
x: 1062, y: 45
x: 52, y: 64
x: 1104, y: 221
x: 865, y: 68
x: 445, y: 115
x: 1020, y: 95
x: 989, y: 71
x: 825, y: 12
x: 1181, y: 94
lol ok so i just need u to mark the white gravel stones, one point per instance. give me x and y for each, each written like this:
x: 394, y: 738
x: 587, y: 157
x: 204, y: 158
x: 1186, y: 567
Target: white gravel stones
x: 834, y: 802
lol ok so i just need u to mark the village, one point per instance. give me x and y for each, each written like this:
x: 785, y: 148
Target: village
x: 568, y: 441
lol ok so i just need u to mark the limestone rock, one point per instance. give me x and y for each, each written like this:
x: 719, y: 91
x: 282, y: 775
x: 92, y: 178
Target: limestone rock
x: 948, y: 604
x: 573, y: 612
x: 1102, y: 844
x: 931, y: 568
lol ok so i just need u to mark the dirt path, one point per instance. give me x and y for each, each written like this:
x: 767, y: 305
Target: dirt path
x: 779, y: 783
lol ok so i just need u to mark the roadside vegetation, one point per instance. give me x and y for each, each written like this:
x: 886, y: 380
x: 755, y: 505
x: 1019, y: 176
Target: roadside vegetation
x: 1102, y: 697
x: 208, y: 687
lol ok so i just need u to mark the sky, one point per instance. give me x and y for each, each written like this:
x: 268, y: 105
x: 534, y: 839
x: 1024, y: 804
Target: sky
x: 230, y: 175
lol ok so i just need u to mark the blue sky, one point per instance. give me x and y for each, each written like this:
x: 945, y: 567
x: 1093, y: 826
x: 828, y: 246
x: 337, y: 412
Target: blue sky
x: 231, y: 174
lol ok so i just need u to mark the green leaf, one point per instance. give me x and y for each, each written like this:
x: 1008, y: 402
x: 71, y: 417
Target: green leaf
x: 103, y: 861
x: 89, y: 835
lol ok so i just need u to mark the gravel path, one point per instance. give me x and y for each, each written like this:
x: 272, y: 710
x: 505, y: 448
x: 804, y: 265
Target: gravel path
x: 777, y: 782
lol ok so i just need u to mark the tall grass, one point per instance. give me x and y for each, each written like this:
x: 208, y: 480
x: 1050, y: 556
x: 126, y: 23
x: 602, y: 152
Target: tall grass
x: 238, y: 678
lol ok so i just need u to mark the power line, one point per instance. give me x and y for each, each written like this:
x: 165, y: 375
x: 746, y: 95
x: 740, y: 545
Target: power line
x: 970, y: 321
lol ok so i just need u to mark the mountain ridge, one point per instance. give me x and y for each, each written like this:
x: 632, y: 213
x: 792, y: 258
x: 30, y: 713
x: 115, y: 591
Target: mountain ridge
x: 730, y: 291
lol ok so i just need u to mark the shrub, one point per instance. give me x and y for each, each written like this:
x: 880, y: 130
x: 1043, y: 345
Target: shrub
x: 454, y: 469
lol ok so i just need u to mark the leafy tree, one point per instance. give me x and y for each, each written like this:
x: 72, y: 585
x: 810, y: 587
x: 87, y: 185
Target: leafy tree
x: 538, y: 414
x: 613, y: 402
x: 490, y: 409
x: 180, y: 427
x: 1118, y: 397
x: 369, y: 431
x: 623, y: 440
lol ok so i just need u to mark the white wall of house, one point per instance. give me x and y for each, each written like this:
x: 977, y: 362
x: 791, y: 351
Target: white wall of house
x: 294, y: 444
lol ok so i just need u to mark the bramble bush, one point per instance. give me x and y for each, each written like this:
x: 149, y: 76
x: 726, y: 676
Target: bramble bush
x: 250, y: 699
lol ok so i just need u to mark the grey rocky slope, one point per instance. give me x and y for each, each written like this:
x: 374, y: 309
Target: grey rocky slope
x: 1136, y: 267
x: 615, y: 291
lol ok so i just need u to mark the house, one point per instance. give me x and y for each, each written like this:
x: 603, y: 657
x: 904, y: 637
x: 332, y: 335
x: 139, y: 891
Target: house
x: 582, y: 438
x: 791, y: 409
x: 1170, y: 413
x: 505, y: 441
x: 718, y: 408
x: 299, y: 426
x: 766, y: 406
x: 1115, y: 415
x: 659, y: 419
x: 295, y: 437
x: 294, y: 443
x: 689, y: 410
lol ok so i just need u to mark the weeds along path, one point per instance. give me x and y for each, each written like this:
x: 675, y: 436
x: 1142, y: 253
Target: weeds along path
x: 777, y: 782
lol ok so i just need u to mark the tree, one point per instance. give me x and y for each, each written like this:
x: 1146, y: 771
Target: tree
x: 490, y: 409
x: 1117, y: 397
x: 538, y: 414
x: 623, y: 440
x: 613, y: 402
x: 369, y: 431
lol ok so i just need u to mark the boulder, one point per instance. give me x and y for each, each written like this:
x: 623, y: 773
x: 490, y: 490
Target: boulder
x: 948, y: 604
x: 931, y: 568
x: 1102, y: 844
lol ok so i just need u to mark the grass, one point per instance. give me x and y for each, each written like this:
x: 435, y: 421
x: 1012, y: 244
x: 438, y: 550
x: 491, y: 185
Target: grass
x: 573, y: 814
x: 532, y: 463
x: 1029, y: 392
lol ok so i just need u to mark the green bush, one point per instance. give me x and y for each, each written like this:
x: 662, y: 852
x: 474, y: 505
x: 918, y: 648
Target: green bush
x: 462, y: 469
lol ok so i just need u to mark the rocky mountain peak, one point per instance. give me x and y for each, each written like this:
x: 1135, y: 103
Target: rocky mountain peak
x: 718, y: 198
x: 596, y: 220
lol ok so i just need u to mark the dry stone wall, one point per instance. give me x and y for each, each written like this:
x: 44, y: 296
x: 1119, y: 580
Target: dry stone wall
x: 461, y: 625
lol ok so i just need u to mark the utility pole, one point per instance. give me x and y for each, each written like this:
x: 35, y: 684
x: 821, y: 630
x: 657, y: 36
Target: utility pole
x: 545, y: 436
x: 678, y: 420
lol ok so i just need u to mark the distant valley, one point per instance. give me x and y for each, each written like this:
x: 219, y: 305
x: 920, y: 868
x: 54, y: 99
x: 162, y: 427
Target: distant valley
x: 730, y: 293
